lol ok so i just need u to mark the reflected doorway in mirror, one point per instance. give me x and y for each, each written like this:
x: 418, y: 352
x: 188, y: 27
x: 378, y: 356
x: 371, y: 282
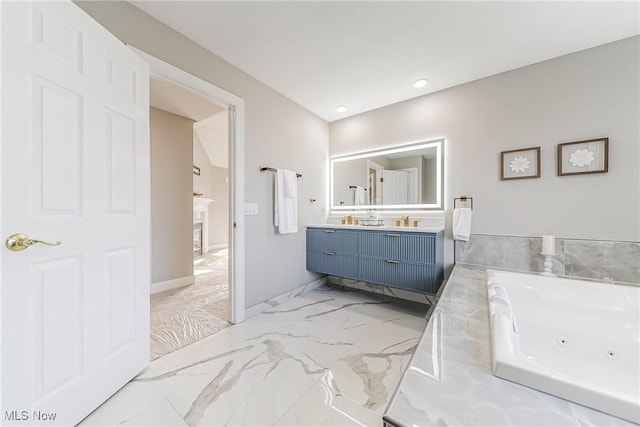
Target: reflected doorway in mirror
x: 404, y: 177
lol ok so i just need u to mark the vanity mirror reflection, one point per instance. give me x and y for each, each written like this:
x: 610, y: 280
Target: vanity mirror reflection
x: 402, y: 177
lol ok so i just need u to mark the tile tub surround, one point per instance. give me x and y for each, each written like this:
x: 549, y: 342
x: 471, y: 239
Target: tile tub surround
x: 327, y: 357
x: 449, y: 381
x: 588, y: 259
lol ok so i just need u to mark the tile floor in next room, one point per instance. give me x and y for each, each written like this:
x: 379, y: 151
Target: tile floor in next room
x: 329, y: 357
x: 182, y: 316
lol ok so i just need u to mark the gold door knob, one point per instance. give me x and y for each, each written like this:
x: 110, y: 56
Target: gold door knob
x: 20, y: 242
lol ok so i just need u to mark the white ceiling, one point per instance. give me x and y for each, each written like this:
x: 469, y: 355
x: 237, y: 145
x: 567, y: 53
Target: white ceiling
x: 211, y: 119
x: 365, y: 55
x: 213, y: 134
x: 169, y: 96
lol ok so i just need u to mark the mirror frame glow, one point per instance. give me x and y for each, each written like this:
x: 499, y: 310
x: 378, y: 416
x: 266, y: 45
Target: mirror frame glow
x: 438, y: 205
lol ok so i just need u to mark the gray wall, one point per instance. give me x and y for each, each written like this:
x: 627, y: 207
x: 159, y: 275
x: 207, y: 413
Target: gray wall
x: 429, y: 173
x: 585, y: 95
x: 171, y: 196
x: 278, y: 133
x: 350, y: 172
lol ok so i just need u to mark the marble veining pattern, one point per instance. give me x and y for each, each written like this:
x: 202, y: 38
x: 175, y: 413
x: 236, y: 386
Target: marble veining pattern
x: 327, y: 357
x: 449, y: 381
x: 587, y: 259
x: 280, y: 299
x: 383, y: 290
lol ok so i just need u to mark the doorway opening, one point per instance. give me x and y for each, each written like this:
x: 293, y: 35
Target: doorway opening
x: 189, y: 139
x: 213, y: 296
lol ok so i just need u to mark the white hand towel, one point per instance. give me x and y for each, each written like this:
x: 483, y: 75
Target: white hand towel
x: 462, y: 223
x: 359, y: 196
x: 285, y: 209
x: 290, y: 184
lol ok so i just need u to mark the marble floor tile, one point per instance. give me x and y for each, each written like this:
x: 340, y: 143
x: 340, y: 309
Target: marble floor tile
x: 369, y: 373
x: 323, y: 405
x: 326, y: 357
x: 162, y: 414
x: 130, y: 401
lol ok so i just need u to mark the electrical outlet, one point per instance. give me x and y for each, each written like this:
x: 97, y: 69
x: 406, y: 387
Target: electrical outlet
x: 251, y: 209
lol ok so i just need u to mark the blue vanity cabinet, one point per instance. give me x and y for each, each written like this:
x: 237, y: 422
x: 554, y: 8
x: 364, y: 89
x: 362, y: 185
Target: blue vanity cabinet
x: 333, y: 252
x: 407, y: 260
x: 401, y: 259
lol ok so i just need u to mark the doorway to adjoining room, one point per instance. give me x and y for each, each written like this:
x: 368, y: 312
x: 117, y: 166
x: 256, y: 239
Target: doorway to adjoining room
x: 196, y: 304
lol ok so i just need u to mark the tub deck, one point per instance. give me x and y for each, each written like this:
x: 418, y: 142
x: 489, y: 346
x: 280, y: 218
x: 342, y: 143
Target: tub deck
x: 449, y: 380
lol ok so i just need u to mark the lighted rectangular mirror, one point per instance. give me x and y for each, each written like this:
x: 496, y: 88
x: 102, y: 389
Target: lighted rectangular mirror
x: 402, y: 177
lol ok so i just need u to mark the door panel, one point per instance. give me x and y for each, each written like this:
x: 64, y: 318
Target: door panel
x: 75, y: 168
x: 121, y: 158
x: 394, y: 187
x: 58, y: 332
x: 56, y: 160
x: 121, y: 276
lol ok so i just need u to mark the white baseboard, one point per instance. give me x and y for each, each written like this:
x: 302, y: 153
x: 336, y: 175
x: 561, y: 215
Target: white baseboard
x: 216, y: 247
x: 172, y: 284
x: 273, y: 302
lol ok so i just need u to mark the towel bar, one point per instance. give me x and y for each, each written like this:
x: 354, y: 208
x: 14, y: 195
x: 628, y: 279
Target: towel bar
x: 266, y: 168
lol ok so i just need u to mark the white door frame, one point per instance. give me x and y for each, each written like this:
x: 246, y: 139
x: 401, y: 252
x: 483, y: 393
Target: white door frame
x: 161, y: 69
x: 377, y: 194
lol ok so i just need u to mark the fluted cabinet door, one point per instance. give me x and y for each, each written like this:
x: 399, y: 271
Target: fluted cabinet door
x: 335, y: 264
x: 410, y: 276
x: 341, y: 241
x: 401, y: 259
x: 411, y: 247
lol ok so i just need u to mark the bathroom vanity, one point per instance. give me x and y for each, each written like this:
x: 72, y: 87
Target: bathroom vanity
x: 400, y: 257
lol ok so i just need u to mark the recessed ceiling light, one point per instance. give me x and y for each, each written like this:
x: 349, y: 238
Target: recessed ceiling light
x: 420, y: 83
x: 341, y: 109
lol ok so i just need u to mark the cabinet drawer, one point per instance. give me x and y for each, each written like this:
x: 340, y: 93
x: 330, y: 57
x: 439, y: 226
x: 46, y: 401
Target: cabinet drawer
x: 413, y: 277
x: 333, y: 263
x: 341, y: 241
x: 420, y: 248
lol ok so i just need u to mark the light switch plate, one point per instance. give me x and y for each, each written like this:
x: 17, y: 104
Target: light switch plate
x: 251, y: 209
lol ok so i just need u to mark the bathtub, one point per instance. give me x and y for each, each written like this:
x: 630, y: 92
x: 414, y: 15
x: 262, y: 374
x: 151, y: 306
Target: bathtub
x: 575, y: 339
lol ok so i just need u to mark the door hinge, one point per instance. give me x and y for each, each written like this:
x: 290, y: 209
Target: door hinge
x: 381, y: 179
x: 235, y: 224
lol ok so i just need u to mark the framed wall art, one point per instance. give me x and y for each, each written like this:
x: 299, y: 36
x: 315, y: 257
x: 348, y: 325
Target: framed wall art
x: 520, y: 164
x: 590, y: 156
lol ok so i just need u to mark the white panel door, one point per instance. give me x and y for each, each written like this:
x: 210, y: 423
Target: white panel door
x: 394, y: 187
x: 75, y: 169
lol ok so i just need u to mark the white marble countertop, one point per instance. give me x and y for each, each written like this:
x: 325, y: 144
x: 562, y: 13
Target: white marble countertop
x: 449, y: 380
x: 379, y: 228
